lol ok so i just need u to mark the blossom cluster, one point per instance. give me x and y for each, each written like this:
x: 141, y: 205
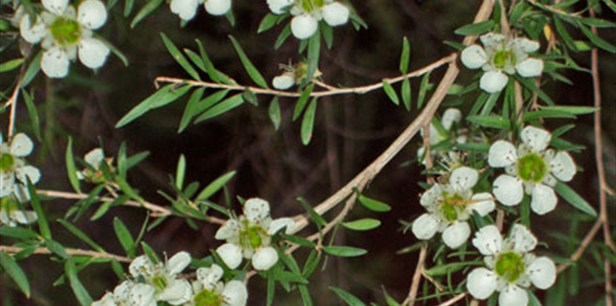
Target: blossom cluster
x: 66, y: 33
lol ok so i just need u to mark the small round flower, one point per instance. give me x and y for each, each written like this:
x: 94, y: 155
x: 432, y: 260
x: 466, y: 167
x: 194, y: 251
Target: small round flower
x: 65, y: 34
x: 304, y: 26
x: 14, y: 173
x: 186, y: 9
x: 160, y: 280
x: 511, y: 268
x: 449, y: 206
x: 530, y: 168
x: 278, y: 6
x: 119, y: 296
x: 335, y: 14
x: 308, y: 13
x: 450, y: 117
x: 284, y: 81
x: 250, y: 236
x: 210, y: 290
x: 217, y: 7
x: 11, y: 213
x: 94, y: 172
x: 500, y: 57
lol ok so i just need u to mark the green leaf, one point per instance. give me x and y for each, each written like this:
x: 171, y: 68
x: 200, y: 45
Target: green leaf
x: 348, y: 298
x: 32, y: 71
x: 328, y: 34
x: 179, y: 57
x: 12, y: 268
x: 405, y: 56
x: 128, y: 7
x: 274, y: 113
x: 80, y: 292
x: 81, y: 235
x: 423, y: 89
x: 250, y: 96
x: 267, y: 23
x: 362, y: 224
x: 373, y: 205
x: 305, y: 295
x: 406, y: 94
x: 282, y: 37
x: 344, y: 251
x: 145, y: 11
x: 254, y: 74
x: 160, y: 98
x: 314, y: 216
x: 18, y: 232
x: 32, y: 114
x: 212, y: 72
x: 596, y: 40
x: 475, y: 28
x: 221, y: 108
x: 214, y: 186
x: 127, y: 189
x: 70, y: 166
x: 308, y: 122
x: 574, y: 199
x: 180, y: 172
x: 191, y: 109
x: 301, y: 102
x: 493, y: 121
x: 449, y: 268
x: 124, y: 236
x: 314, y: 52
x: 570, y: 109
x: 11, y: 65
x: 117, y: 52
x: 41, y: 219
x: 56, y: 248
x: 391, y: 92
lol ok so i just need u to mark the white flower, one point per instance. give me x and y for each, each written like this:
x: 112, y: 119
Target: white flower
x: 14, y: 173
x: 65, y: 34
x: 449, y: 206
x: 160, y: 280
x: 217, y: 7
x: 284, y: 81
x: 119, y: 297
x: 11, y: 213
x: 531, y: 169
x: 308, y: 13
x: 451, y: 116
x: 501, y: 56
x: 250, y: 236
x: 187, y: 9
x: 304, y: 26
x: 94, y: 173
x: 511, y: 269
x: 335, y: 14
x: 209, y: 289
x: 278, y: 6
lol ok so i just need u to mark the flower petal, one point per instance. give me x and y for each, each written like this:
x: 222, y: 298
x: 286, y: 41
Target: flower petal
x: 217, y: 7
x: 483, y: 203
x: 508, y: 190
x: 25, y: 173
x: 106, y: 300
x: 456, y: 234
x: 473, y: 57
x: 481, y: 283
x: 94, y: 157
x: 178, y: 263
x: 542, y: 272
x: 543, y: 199
x: 210, y: 275
x: 492, y: 40
x: 24, y: 216
x: 55, y: 6
x: 7, y: 183
x: 92, y: 52
x: 231, y: 254
x: 303, y: 26
x: 535, y: 138
x: 425, y: 226
x: 186, y: 9
x: 513, y: 295
x: 431, y: 196
x: 493, y: 81
x: 229, y: 229
x: 562, y: 166
x: 235, y: 293
x: 284, y: 81
x: 522, y: 239
x: 527, y: 45
x: 21, y: 145
x: 463, y: 178
x: 139, y: 265
x: 92, y: 14
x: 530, y: 67
x: 280, y: 223
x: 177, y: 292
x: 121, y: 291
x: 55, y: 62
x: 451, y: 116
x: 256, y: 209
x: 264, y: 258
x: 277, y: 6
x: 142, y: 295
x: 488, y: 240
x: 502, y: 154
x: 335, y: 14
x: 32, y: 33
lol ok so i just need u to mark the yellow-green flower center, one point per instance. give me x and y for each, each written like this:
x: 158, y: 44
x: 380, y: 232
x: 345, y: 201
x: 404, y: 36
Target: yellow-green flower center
x: 208, y: 298
x: 310, y: 5
x: 252, y: 236
x: 451, y: 206
x: 532, y: 168
x: 65, y: 31
x: 502, y: 58
x: 7, y: 161
x: 510, y: 266
x: 159, y: 282
x: 8, y: 205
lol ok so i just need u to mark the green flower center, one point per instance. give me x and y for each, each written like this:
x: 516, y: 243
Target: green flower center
x: 310, y: 5
x: 7, y: 161
x: 160, y: 282
x: 208, y: 298
x: 8, y: 205
x: 66, y: 31
x: 253, y: 236
x: 532, y: 168
x: 502, y: 58
x: 510, y: 266
x: 452, y: 206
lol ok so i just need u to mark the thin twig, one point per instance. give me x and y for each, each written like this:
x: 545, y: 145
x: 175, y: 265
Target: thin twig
x: 12, y: 101
x: 585, y: 243
x: 454, y: 300
x: 410, y: 300
x: 329, y: 92
x: 72, y: 252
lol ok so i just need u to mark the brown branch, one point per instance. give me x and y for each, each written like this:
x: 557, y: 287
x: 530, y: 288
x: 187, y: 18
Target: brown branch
x: 410, y: 300
x: 72, y: 252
